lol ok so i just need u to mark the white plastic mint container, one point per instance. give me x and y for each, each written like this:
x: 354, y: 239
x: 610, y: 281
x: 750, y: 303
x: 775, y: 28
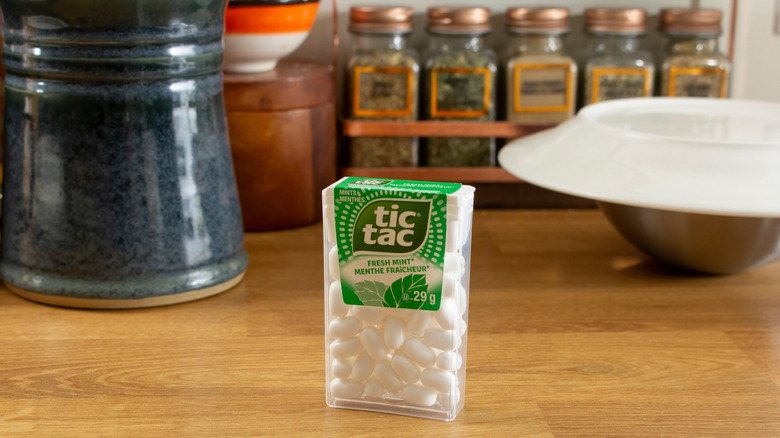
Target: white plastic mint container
x: 387, y: 355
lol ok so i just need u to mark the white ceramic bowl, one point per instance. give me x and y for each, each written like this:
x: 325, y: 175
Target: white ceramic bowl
x: 641, y: 157
x: 258, y: 33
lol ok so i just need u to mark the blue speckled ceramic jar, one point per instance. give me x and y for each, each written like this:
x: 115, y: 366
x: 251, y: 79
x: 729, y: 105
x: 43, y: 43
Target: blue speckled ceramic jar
x: 118, y: 188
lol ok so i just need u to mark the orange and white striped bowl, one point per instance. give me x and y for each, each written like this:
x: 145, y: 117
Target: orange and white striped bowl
x: 260, y: 32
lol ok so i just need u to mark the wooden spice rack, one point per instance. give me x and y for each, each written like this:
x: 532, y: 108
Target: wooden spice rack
x: 430, y: 128
x: 502, y: 188
x: 497, y: 187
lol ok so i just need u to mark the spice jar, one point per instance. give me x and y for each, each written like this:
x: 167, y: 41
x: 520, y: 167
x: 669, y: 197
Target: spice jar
x: 459, y: 83
x: 541, y: 79
x: 693, y: 66
x: 616, y: 66
x: 383, y: 83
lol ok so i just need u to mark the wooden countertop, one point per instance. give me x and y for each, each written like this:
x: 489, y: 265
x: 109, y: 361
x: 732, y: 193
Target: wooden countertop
x: 571, y: 333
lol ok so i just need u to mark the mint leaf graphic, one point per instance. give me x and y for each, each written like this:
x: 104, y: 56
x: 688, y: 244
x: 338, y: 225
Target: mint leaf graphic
x: 371, y: 293
x: 401, y: 293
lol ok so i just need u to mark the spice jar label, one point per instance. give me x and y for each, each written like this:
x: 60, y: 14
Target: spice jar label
x: 542, y: 87
x: 460, y: 92
x: 391, y: 237
x: 697, y: 82
x: 383, y: 92
x: 620, y: 83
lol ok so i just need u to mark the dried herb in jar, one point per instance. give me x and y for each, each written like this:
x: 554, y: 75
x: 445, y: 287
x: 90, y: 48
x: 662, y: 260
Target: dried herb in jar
x: 693, y: 66
x: 609, y: 81
x: 383, y: 84
x: 616, y: 67
x: 541, y: 78
x: 459, y: 84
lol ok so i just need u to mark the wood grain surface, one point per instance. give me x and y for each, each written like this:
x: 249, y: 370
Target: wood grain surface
x: 438, y: 128
x: 572, y: 333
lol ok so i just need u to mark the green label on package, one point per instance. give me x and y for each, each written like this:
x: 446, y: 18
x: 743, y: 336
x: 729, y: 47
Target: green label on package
x: 390, y: 236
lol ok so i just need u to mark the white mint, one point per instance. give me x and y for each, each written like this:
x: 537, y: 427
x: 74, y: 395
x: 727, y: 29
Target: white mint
x: 419, y: 395
x: 340, y: 368
x: 370, y: 315
x: 446, y: 315
x: 461, y: 327
x: 373, y: 343
x: 437, y: 380
x: 333, y: 263
x: 449, y: 361
x: 398, y: 313
x: 346, y: 388
x: 463, y: 300
x: 450, y: 398
x: 419, y: 353
x: 442, y: 339
x: 385, y: 374
x: 374, y: 388
x: 464, y: 229
x: 452, y: 243
x: 418, y: 323
x: 341, y: 328
x: 449, y: 285
x: 336, y: 300
x: 394, y: 333
x: 405, y: 368
x: 363, y: 367
x: 331, y: 222
x: 455, y: 264
x: 344, y: 348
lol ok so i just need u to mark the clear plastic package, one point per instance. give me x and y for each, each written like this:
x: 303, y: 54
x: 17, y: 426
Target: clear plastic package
x: 397, y: 258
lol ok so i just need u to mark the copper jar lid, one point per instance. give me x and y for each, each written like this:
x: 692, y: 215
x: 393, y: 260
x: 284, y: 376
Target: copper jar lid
x: 691, y: 21
x: 542, y: 20
x: 380, y: 19
x: 459, y: 20
x: 622, y: 21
